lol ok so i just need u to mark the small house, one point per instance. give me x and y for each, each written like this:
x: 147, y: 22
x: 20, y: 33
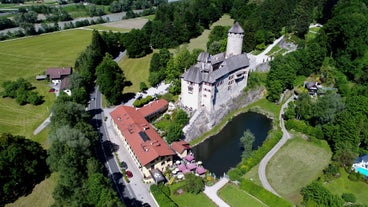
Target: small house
x: 361, y: 165
x: 181, y: 148
x: 57, y: 75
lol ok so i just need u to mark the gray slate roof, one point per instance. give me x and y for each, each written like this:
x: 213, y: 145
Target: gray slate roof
x: 236, y: 28
x: 196, y: 72
x: 362, y: 158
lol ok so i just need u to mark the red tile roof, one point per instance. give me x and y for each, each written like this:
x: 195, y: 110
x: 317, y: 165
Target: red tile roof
x: 153, y: 107
x: 180, y: 146
x: 57, y: 73
x: 144, y: 141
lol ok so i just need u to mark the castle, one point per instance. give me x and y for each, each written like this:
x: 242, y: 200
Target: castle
x: 215, y: 79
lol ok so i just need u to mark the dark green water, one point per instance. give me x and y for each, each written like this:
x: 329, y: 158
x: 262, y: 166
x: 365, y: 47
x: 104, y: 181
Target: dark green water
x: 223, y: 151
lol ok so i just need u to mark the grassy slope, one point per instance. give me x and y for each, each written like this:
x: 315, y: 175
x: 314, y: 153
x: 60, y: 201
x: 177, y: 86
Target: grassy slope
x: 40, y: 196
x: 297, y: 164
x: 234, y: 196
x: 188, y: 199
x: 26, y: 58
x: 344, y: 185
x: 136, y: 71
x: 201, y: 41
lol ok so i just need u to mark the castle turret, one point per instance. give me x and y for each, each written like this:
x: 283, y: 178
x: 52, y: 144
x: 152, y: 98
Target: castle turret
x: 234, y: 40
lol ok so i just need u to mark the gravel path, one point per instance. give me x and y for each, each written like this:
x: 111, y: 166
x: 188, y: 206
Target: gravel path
x: 272, y: 152
x: 211, y: 192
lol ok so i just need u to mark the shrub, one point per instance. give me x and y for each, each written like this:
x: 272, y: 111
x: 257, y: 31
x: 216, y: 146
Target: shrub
x: 142, y: 102
x: 348, y: 197
x: 301, y: 126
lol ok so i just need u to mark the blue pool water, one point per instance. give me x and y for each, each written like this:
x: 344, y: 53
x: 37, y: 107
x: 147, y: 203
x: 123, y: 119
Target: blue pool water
x: 362, y: 171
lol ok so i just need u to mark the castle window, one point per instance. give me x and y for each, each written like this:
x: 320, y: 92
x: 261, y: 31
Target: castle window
x: 190, y: 89
x: 229, y: 87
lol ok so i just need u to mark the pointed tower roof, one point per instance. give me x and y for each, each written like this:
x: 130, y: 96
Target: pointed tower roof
x: 236, y: 28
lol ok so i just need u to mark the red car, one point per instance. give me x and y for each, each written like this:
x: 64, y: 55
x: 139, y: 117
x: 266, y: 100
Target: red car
x: 52, y: 90
x: 129, y: 174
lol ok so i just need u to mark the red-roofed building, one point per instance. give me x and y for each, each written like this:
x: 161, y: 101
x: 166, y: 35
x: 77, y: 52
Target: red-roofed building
x: 181, y: 148
x: 147, y: 148
x: 154, y: 109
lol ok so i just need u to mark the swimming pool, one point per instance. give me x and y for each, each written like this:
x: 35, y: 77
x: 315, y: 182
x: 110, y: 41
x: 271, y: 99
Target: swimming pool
x: 362, y: 171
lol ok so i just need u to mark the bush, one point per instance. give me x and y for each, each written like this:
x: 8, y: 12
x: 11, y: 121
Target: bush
x: 142, y: 102
x: 348, y: 197
x: 301, y: 126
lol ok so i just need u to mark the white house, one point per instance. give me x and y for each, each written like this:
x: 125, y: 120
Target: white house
x: 361, y: 162
x: 215, y: 79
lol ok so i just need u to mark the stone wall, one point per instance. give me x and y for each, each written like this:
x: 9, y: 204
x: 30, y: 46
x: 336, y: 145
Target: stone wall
x: 205, y: 121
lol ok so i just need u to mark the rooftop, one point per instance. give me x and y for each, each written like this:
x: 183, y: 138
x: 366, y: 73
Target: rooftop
x: 143, y: 139
x: 57, y: 73
x: 180, y: 146
x: 153, y: 107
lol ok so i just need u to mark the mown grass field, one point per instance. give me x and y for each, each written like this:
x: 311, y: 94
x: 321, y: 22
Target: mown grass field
x: 26, y: 58
x: 236, y: 197
x: 295, y: 165
x: 344, y: 185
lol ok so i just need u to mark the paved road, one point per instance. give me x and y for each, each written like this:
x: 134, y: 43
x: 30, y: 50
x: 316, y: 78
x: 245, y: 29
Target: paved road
x: 43, y: 125
x: 270, y: 154
x: 211, y: 192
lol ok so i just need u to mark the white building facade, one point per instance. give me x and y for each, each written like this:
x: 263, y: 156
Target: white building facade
x: 215, y: 79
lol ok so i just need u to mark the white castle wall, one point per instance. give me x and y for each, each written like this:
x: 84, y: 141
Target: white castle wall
x: 190, y: 99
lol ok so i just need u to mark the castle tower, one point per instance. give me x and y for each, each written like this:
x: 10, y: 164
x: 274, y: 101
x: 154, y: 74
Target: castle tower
x: 234, y: 40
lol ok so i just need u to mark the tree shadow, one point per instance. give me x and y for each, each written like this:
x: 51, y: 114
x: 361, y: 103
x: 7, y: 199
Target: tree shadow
x: 127, y: 96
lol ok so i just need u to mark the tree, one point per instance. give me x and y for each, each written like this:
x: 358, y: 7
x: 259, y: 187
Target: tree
x: 22, y: 166
x: 137, y: 43
x: 193, y: 184
x: 317, y: 195
x: 247, y: 140
x: 143, y: 86
x: 110, y: 79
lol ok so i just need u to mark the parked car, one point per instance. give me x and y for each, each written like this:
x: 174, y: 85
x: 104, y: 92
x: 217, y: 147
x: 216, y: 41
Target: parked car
x: 124, y: 165
x: 129, y: 174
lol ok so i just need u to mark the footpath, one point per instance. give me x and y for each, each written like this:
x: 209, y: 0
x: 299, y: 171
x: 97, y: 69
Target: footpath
x: 272, y: 152
x: 211, y: 192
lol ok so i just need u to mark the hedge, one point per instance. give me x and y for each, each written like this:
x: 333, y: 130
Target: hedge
x: 262, y: 194
x: 142, y: 102
x: 256, y: 156
x: 301, y: 126
x: 162, y: 199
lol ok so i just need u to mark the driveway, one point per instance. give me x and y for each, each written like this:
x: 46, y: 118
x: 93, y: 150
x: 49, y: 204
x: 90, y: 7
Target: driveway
x: 272, y: 152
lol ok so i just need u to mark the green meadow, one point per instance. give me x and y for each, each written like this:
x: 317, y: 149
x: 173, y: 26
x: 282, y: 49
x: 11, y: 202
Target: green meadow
x: 26, y: 58
x: 296, y: 165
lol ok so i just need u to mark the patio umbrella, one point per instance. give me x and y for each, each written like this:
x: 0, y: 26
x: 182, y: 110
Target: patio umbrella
x: 191, y: 166
x: 189, y: 158
x: 200, y: 170
x: 182, y: 167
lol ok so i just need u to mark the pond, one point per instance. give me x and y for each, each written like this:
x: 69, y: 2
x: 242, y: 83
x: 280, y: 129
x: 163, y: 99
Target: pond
x: 223, y: 151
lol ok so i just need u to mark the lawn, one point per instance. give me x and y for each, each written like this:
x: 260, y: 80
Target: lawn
x: 40, y: 196
x: 344, y: 185
x: 136, y: 70
x: 188, y: 199
x: 234, y: 196
x: 26, y: 58
x: 295, y: 165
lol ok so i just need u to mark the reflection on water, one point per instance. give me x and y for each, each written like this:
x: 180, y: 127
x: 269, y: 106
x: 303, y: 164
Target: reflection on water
x: 223, y: 151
